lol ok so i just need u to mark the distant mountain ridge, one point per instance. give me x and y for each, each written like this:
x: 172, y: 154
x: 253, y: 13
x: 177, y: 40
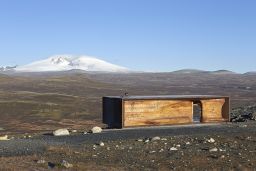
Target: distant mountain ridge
x: 69, y: 62
x: 251, y: 73
x: 61, y: 63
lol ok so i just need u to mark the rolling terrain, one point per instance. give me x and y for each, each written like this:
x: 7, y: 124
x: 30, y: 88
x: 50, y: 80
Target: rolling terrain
x: 38, y: 102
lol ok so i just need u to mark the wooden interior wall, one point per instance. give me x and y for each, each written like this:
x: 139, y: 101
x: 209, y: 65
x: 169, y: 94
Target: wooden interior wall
x: 212, y: 110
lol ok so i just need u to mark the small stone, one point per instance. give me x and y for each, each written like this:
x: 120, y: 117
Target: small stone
x: 4, y: 138
x: 74, y: 131
x: 139, y: 140
x: 146, y: 141
x: 155, y: 139
x: 173, y: 149
x: 101, y: 144
x: 243, y: 126
x: 211, y: 140
x: 66, y: 164
x: 130, y: 148
x: 60, y: 132
x: 108, y: 148
x: 222, y: 157
x: 178, y: 145
x: 213, y: 149
x: 164, y: 139
x: 161, y: 150
x: 41, y: 161
x: 187, y: 143
x: 96, y: 129
x: 152, y: 152
x: 85, y: 132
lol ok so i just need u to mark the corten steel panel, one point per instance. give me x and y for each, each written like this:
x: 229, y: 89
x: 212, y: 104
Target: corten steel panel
x: 156, y: 112
x: 112, y: 112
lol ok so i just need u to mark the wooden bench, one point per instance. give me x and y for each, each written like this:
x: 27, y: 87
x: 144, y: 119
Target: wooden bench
x: 134, y: 111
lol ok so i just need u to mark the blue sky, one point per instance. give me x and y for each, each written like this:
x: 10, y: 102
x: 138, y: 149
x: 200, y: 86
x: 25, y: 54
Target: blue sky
x: 150, y: 35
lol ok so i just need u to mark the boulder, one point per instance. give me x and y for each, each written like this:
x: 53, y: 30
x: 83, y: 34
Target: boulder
x: 60, y: 132
x: 173, y: 149
x: 96, y: 129
x: 4, y: 138
x: 66, y: 164
x: 211, y: 140
x: 213, y: 149
x: 155, y: 139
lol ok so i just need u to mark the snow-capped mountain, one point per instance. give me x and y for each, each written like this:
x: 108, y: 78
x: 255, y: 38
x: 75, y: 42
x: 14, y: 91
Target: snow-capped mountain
x: 68, y: 62
x: 7, y: 68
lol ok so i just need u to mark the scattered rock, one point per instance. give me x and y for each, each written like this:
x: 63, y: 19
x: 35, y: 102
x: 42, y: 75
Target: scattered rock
x: 164, y: 139
x: 60, y: 132
x: 146, y: 141
x: 85, y: 132
x: 155, y: 139
x: 74, y: 131
x: 243, y: 114
x: 211, y: 140
x: 161, y: 150
x: 188, y: 143
x: 96, y: 129
x: 101, y: 144
x: 139, y: 140
x: 173, y: 149
x: 152, y: 152
x: 41, y: 161
x: 4, y: 138
x: 213, y: 149
x: 221, y: 150
x: 65, y: 164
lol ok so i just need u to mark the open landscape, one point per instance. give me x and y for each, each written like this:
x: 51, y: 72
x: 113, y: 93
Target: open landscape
x: 127, y: 85
x: 39, y: 102
x: 35, y: 104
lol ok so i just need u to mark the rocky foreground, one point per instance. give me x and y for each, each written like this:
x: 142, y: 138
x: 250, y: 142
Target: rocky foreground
x: 227, y: 146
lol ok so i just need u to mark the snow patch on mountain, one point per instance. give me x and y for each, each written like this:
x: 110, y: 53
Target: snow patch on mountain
x: 69, y: 62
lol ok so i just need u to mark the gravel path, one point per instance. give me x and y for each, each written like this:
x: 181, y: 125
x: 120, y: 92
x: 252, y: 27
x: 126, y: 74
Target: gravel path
x: 39, y: 144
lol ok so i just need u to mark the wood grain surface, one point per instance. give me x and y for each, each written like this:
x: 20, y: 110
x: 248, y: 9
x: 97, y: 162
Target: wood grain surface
x: 212, y: 110
x: 157, y: 112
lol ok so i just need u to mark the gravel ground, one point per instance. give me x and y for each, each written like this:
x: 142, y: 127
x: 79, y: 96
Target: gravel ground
x: 176, y: 148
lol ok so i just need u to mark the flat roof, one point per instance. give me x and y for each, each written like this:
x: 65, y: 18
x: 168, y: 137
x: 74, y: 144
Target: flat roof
x: 168, y: 97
